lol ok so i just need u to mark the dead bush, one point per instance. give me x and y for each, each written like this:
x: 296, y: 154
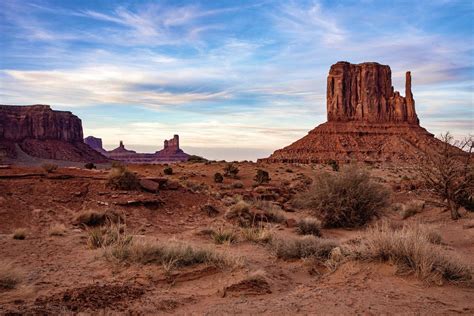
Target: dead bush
x: 97, y: 218
x: 303, y: 247
x: 10, y: 276
x: 309, y: 226
x: 259, y: 235
x: 218, y: 178
x: 224, y: 236
x: 107, y: 235
x: 412, y: 250
x: 231, y: 170
x: 90, y: 166
x: 346, y: 199
x: 412, y: 208
x: 57, y: 230
x: 120, y: 178
x: 168, y: 171
x: 241, y: 212
x: 262, y: 176
x: 271, y: 212
x: 19, y: 233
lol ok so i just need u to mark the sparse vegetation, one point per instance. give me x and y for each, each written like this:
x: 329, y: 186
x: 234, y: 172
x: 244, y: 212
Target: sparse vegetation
x: 449, y: 173
x: 19, y: 233
x: 412, y: 250
x: 346, y: 199
x: 120, y: 178
x: 168, y: 171
x: 237, y: 185
x: 333, y: 164
x: 195, y: 158
x: 262, y: 176
x: 179, y: 254
x: 218, y: 178
x: 309, y: 226
x: 412, y: 208
x: 107, y: 235
x: 303, y: 247
x: 49, y: 167
x: 259, y: 235
x: 97, y: 218
x: 90, y: 166
x: 224, y: 236
x: 57, y: 230
x: 10, y: 276
x: 210, y: 210
x: 241, y: 212
x: 231, y: 170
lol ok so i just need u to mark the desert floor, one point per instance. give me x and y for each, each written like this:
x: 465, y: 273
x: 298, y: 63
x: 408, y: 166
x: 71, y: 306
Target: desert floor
x: 62, y: 274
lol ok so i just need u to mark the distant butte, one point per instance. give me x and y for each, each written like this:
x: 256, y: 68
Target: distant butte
x: 170, y: 152
x: 366, y: 121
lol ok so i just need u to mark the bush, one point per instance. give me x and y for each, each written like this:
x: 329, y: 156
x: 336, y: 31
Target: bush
x: 168, y: 171
x: 303, y: 247
x: 241, y: 212
x: 237, y: 185
x: 218, y: 178
x: 346, y: 199
x: 224, y: 236
x: 262, y: 176
x: 97, y: 218
x: 120, y: 178
x: 412, y: 208
x: 412, y: 250
x: 109, y: 235
x: 9, y: 276
x: 49, y: 167
x: 179, y: 254
x: 231, y: 170
x: 90, y: 166
x: 57, y: 230
x: 19, y: 233
x: 259, y: 235
x: 334, y: 164
x: 195, y: 158
x: 309, y: 226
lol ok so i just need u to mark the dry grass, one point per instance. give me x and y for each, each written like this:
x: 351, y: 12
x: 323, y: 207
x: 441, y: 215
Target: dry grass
x: 120, y: 178
x: 412, y: 208
x: 259, y: 235
x: 57, y: 230
x: 178, y: 254
x: 241, y: 212
x: 97, y: 218
x: 10, y: 276
x: 309, y: 226
x: 270, y: 211
x: 224, y: 236
x: 107, y: 235
x: 345, y: 199
x: 303, y: 247
x: 412, y: 250
x: 19, y: 233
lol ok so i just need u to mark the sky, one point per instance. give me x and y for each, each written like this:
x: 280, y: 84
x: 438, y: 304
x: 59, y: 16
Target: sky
x: 235, y: 79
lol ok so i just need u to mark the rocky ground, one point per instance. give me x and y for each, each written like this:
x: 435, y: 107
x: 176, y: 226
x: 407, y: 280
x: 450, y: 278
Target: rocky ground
x: 61, y: 274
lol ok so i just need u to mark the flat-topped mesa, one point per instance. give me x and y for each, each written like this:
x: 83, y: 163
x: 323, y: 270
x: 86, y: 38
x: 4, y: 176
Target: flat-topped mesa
x: 364, y: 92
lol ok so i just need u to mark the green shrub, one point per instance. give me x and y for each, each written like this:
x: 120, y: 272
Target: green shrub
x: 231, y: 170
x: 346, y: 199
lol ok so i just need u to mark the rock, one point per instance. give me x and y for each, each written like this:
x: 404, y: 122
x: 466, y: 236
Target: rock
x: 367, y: 122
x: 149, y: 185
x: 41, y: 132
x: 95, y: 143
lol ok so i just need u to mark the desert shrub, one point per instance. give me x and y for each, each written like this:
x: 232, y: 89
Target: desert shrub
x: 271, y: 212
x: 241, y: 212
x: 168, y: 171
x: 57, y: 230
x: 289, y: 170
x: 90, y: 166
x: 19, y: 233
x: 179, y: 254
x: 333, y: 164
x: 224, y: 236
x: 231, y: 170
x: 411, y: 208
x: 303, y: 247
x: 120, y: 178
x: 210, y: 210
x: 262, y: 176
x: 49, y: 167
x: 412, y: 250
x: 10, y: 276
x: 195, y: 158
x: 107, y: 235
x: 97, y: 218
x: 309, y: 226
x: 218, y: 178
x: 237, y: 185
x: 346, y: 199
x: 259, y: 235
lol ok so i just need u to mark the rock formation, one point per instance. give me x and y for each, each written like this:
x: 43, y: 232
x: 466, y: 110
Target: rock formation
x: 367, y: 121
x: 170, y: 152
x: 40, y: 132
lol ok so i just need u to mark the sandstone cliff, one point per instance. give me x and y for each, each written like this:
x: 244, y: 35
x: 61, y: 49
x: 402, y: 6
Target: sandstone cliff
x: 41, y: 132
x: 367, y: 121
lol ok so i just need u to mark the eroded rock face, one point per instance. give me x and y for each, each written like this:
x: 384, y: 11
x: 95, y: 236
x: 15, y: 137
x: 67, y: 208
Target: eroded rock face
x: 364, y: 93
x: 38, y: 122
x: 367, y: 121
x: 38, y: 131
x: 95, y: 143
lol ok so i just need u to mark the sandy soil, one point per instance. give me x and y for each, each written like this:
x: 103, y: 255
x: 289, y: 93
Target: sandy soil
x: 62, y: 275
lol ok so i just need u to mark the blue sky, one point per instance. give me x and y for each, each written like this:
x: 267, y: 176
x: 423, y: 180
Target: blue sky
x: 235, y: 79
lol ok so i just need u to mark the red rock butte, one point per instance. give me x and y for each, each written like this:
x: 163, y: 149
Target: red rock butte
x: 38, y: 131
x: 170, y: 152
x: 367, y: 121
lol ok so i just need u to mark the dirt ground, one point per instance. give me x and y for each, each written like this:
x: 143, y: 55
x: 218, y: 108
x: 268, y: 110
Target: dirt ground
x: 62, y: 275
